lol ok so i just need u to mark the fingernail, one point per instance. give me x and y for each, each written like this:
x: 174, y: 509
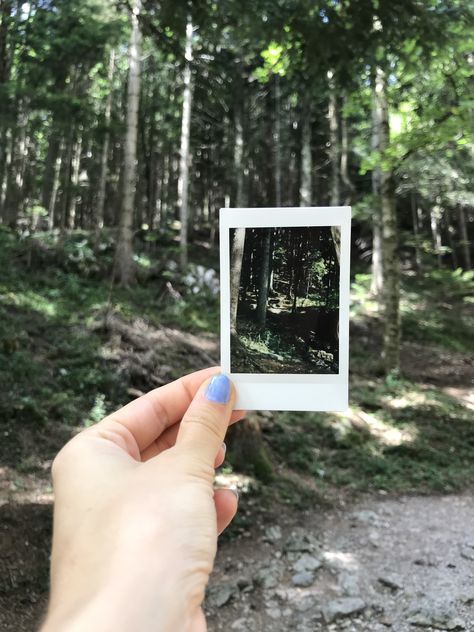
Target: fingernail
x: 224, y: 447
x: 218, y: 389
x: 235, y: 492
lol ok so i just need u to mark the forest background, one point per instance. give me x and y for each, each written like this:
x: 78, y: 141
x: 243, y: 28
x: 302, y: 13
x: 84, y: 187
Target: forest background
x: 126, y: 125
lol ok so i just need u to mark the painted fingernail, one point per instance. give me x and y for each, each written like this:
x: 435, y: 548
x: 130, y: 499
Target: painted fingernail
x: 235, y: 492
x: 218, y: 389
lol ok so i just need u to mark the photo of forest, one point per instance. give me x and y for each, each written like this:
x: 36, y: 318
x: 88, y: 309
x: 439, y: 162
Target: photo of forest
x: 284, y: 287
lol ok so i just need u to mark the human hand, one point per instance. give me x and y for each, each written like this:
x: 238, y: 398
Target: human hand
x: 136, y: 517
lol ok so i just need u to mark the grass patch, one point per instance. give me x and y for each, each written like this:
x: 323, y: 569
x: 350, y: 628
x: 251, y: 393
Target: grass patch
x: 436, y: 454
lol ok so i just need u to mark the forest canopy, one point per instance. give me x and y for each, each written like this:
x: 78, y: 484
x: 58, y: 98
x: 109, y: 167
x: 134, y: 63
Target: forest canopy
x: 135, y: 121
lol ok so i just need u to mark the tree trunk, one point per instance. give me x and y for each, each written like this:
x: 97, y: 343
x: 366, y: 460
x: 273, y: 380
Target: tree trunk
x: 66, y: 186
x: 264, y: 277
x: 6, y: 8
x: 435, y: 212
x: 55, y: 187
x: 335, y: 190
x: 50, y: 167
x: 306, y: 185
x: 450, y: 233
x: 75, y: 172
x: 349, y: 188
x: 183, y: 180
x: 276, y: 141
x: 125, y: 242
x: 99, y: 213
x: 239, y: 150
x: 391, y: 273
x: 376, y: 285
x: 416, y: 231
x: 464, y: 238
x: 237, y: 253
x: 16, y: 164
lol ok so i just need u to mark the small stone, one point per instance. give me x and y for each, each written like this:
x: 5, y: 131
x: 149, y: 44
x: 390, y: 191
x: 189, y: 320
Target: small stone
x: 273, y: 611
x: 272, y: 534
x: 243, y: 625
x: 307, y: 563
x: 343, y: 607
x: 390, y: 581
x: 305, y: 604
x: 365, y: 517
x: 467, y: 552
x: 437, y: 617
x: 386, y: 621
x: 244, y: 584
x: 349, y: 584
x: 467, y: 598
x: 268, y: 577
x: 219, y: 595
x: 300, y: 541
x: 303, y: 579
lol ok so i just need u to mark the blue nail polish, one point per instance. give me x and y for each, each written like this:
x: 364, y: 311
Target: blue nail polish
x: 218, y: 389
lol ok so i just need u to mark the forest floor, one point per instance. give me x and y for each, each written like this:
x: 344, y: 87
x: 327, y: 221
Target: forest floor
x: 288, y: 342
x: 366, y: 523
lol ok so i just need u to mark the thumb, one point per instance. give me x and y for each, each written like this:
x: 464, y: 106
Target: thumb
x: 205, y: 423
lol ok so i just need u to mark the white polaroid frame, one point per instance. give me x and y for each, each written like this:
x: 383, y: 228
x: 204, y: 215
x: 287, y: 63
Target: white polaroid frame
x: 271, y: 391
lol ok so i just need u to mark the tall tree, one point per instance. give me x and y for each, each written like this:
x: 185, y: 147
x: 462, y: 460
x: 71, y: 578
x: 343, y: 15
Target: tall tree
x: 237, y: 253
x: 264, y: 276
x: 390, y: 266
x: 184, y: 154
x: 376, y: 285
x: 306, y: 178
x: 104, y: 156
x: 124, y: 252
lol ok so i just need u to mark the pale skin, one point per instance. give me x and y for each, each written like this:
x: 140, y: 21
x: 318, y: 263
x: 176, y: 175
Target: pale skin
x: 136, y: 516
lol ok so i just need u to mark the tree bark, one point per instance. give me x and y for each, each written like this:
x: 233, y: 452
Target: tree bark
x: 99, y: 214
x: 391, y: 273
x: 464, y: 238
x: 306, y: 185
x: 16, y: 165
x: 334, y: 149
x: 237, y: 253
x: 239, y: 149
x: 416, y: 230
x: 264, y: 278
x: 183, y: 180
x: 376, y: 285
x: 125, y: 242
x: 75, y: 172
x: 276, y: 141
x: 450, y: 234
x: 437, y: 244
x: 349, y: 188
x: 55, y: 187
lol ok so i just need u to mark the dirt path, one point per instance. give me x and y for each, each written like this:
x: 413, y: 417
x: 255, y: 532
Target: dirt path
x: 383, y: 564
x: 390, y: 564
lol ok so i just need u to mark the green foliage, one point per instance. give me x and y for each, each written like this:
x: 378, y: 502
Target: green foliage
x: 434, y: 456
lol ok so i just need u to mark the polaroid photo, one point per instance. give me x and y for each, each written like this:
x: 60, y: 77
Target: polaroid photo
x: 285, y: 306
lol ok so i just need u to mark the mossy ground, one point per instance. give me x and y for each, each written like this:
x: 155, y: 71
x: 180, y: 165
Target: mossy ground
x: 406, y: 434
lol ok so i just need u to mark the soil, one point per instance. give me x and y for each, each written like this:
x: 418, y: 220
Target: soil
x: 404, y: 558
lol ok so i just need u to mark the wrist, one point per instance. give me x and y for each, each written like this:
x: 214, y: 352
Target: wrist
x: 146, y: 602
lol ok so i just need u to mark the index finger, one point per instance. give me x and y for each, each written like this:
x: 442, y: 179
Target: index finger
x: 148, y: 416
